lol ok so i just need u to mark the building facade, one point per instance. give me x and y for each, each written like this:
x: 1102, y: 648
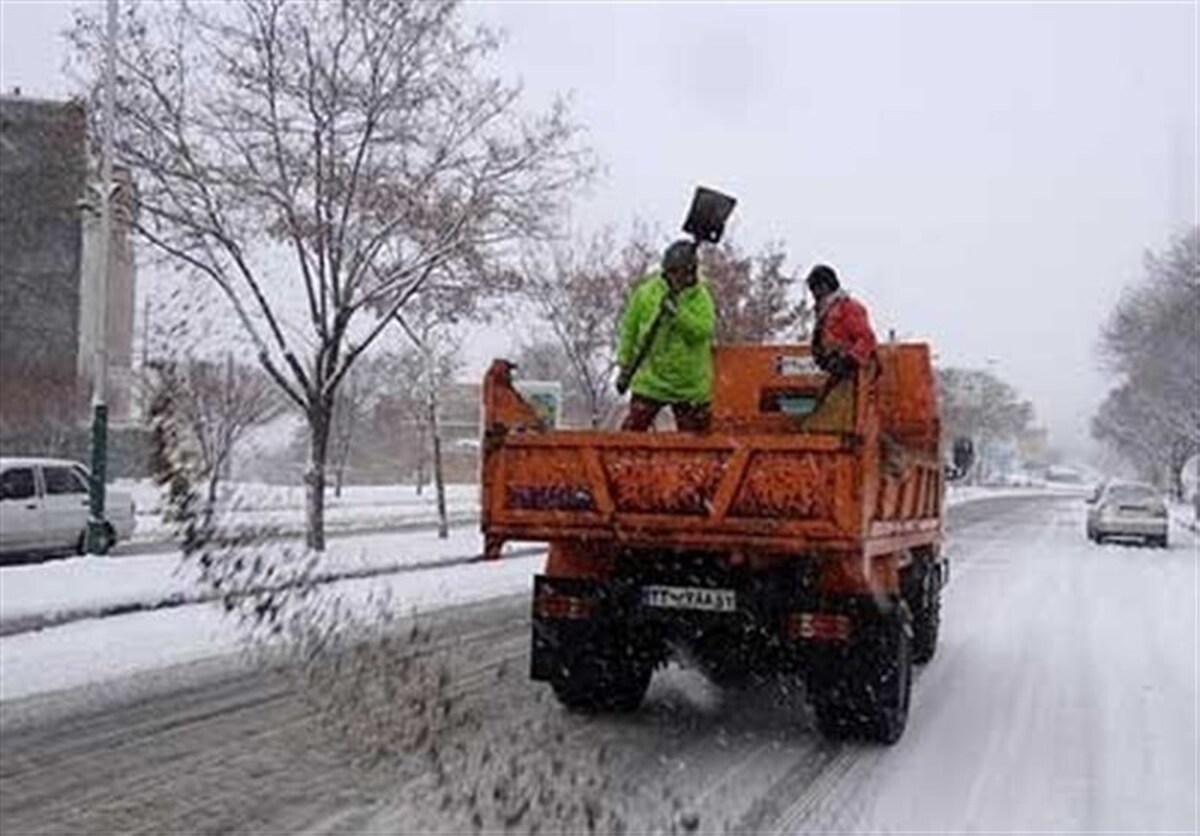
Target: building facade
x: 49, y: 246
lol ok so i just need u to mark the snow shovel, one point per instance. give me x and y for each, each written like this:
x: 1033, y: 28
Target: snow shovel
x: 705, y: 222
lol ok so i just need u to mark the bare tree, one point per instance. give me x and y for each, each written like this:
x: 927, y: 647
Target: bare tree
x: 1152, y: 343
x: 216, y: 404
x: 433, y: 344
x: 756, y: 297
x: 579, y: 287
x: 411, y: 407
x: 368, y: 382
x: 546, y: 360
x: 1133, y: 426
x: 400, y: 422
x: 977, y: 404
x: 321, y: 163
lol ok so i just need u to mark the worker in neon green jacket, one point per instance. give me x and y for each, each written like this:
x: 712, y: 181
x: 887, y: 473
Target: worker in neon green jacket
x: 677, y: 370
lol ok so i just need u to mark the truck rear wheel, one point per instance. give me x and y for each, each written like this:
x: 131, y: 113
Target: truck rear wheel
x: 925, y: 603
x: 601, y: 684
x: 729, y: 674
x: 864, y: 693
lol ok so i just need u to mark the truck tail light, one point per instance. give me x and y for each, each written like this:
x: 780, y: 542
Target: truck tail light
x: 816, y: 626
x: 563, y: 606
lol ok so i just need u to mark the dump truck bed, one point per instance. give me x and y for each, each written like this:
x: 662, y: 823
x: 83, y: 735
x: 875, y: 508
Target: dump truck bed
x: 859, y: 474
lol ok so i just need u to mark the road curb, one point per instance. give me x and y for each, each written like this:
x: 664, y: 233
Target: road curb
x: 32, y: 623
x: 457, y: 520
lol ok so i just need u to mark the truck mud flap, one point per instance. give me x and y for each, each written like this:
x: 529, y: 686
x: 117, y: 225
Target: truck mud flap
x: 570, y: 617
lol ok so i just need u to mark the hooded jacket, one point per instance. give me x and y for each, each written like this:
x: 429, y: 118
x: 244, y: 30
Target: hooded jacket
x: 843, y: 327
x: 678, y: 367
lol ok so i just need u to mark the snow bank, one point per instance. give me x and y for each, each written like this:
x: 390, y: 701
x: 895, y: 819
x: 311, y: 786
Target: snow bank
x: 53, y: 592
x: 98, y: 650
x: 960, y: 494
x: 259, y: 496
x: 282, y: 506
x: 1184, y: 515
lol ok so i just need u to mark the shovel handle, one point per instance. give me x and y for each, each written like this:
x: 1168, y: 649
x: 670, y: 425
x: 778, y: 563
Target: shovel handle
x: 626, y: 376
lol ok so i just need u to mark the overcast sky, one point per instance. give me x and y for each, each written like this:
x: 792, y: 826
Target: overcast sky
x: 984, y: 176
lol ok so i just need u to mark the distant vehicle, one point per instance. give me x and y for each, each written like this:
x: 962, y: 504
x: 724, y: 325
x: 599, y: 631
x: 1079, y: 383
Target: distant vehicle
x: 44, y: 507
x: 1128, y: 509
x: 1018, y: 479
x: 1063, y: 475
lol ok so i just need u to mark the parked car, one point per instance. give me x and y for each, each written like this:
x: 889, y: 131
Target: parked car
x: 44, y: 507
x: 1128, y: 509
x: 1018, y: 479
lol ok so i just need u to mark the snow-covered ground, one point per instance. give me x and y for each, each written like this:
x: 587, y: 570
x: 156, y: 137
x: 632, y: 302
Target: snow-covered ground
x: 99, y: 649
x: 259, y: 496
x: 1063, y: 698
x: 90, y: 649
x: 77, y: 586
x: 1184, y: 514
x: 282, y: 506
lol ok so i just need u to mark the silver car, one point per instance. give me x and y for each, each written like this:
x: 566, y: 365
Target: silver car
x: 1128, y: 510
x: 44, y: 507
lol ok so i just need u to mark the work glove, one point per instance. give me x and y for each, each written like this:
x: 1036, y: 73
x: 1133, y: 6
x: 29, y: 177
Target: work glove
x: 670, y: 304
x: 624, y: 378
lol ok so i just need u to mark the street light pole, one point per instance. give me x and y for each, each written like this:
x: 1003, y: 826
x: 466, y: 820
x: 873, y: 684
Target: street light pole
x: 98, y: 540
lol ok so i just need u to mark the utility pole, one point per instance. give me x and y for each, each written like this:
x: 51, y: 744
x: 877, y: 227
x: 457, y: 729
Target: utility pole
x: 98, y: 540
x: 146, y: 333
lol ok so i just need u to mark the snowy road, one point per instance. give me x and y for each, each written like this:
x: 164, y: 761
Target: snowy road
x: 1063, y: 698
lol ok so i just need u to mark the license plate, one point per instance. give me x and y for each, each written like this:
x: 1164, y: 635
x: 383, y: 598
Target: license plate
x: 690, y: 598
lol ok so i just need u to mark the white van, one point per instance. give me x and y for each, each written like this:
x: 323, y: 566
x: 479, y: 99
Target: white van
x: 44, y: 507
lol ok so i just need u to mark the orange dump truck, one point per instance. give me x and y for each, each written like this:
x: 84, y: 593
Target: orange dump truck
x: 799, y: 535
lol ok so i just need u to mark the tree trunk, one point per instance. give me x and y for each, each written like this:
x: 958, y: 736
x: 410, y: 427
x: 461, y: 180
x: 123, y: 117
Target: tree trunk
x: 421, y: 460
x: 1179, y: 458
x: 439, y: 481
x: 210, y: 504
x: 318, y: 426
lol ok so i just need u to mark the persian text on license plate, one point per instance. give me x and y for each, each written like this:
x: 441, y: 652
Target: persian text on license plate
x: 690, y: 598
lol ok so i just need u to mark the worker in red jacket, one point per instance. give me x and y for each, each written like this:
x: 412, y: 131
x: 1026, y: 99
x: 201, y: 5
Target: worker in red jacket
x: 843, y: 341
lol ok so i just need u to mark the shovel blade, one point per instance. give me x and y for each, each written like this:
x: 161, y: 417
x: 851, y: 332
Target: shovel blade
x: 706, y: 219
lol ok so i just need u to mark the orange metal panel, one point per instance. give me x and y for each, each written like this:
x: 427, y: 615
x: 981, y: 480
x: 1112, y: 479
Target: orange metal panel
x: 760, y: 482
x: 735, y: 469
x: 598, y: 481
x: 610, y: 440
x: 822, y: 539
